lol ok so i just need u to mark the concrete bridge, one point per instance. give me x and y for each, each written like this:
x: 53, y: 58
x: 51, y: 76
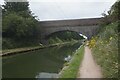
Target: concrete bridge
x: 87, y: 27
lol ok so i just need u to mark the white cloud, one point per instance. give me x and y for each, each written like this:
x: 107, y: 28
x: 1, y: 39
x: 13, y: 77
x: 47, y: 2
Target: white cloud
x: 69, y: 10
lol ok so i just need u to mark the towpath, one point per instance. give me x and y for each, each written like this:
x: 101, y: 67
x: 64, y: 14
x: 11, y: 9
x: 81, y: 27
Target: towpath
x: 88, y: 68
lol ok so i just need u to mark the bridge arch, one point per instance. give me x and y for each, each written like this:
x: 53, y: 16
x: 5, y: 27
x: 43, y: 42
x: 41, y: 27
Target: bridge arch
x: 77, y: 34
x: 88, y: 31
x: 87, y: 27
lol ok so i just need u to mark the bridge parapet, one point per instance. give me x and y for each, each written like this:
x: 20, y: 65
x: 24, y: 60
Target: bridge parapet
x: 75, y: 22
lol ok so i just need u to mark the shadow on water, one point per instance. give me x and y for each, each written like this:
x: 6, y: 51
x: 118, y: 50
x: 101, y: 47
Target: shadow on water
x: 43, y: 63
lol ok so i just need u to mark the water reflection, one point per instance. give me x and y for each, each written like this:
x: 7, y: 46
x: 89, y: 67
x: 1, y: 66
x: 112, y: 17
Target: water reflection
x: 30, y: 64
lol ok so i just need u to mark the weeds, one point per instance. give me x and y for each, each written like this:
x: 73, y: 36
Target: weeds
x: 105, y: 50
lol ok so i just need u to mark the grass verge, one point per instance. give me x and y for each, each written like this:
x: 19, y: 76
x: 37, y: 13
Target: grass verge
x: 105, y: 50
x: 71, y: 68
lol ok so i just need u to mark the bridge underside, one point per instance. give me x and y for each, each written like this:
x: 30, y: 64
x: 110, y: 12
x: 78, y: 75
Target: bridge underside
x: 87, y: 27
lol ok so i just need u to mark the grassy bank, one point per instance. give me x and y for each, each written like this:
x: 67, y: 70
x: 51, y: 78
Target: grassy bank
x: 26, y: 49
x: 105, y: 50
x: 70, y: 69
x: 11, y: 43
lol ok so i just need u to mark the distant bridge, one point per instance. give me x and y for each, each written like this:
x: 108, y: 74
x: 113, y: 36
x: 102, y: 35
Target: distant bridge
x: 87, y: 27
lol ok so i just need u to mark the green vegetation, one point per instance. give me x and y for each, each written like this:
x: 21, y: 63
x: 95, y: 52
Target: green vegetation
x: 19, y: 25
x: 63, y: 36
x: 105, y: 50
x: 26, y: 49
x: 105, y: 44
x: 71, y: 68
x: 113, y: 14
x: 55, y: 40
x: 20, y: 28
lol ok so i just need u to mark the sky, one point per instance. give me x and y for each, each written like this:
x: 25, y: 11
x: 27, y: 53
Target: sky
x: 46, y: 10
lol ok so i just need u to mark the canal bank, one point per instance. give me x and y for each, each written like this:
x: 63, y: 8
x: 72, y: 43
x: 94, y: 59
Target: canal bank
x: 27, y: 49
x: 70, y: 69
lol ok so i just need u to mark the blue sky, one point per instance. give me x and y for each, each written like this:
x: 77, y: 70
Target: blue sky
x: 69, y: 9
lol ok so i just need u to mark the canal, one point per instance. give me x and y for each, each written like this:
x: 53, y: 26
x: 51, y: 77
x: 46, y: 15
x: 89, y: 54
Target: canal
x: 37, y: 64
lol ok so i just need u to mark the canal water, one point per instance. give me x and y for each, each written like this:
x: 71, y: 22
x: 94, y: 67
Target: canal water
x: 37, y: 64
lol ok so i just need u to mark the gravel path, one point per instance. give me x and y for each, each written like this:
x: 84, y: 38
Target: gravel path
x: 88, y: 68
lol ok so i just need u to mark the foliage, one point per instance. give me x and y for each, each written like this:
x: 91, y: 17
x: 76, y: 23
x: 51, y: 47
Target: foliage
x: 105, y: 50
x: 63, y: 36
x: 92, y: 42
x: 114, y: 11
x: 16, y: 6
x: 113, y: 14
x: 18, y: 27
x: 18, y: 24
x: 9, y: 43
x: 105, y: 44
x: 55, y: 40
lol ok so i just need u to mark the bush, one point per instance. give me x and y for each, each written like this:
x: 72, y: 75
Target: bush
x: 16, y: 26
x: 19, y: 27
x: 106, y: 50
x: 63, y: 36
x: 7, y: 44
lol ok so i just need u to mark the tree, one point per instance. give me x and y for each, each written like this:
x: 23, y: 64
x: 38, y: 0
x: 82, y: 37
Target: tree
x: 18, y: 27
x: 16, y: 6
x: 21, y: 8
x: 113, y: 14
x: 18, y: 21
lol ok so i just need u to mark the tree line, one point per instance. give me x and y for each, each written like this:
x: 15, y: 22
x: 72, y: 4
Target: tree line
x: 18, y: 21
x: 19, y: 25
